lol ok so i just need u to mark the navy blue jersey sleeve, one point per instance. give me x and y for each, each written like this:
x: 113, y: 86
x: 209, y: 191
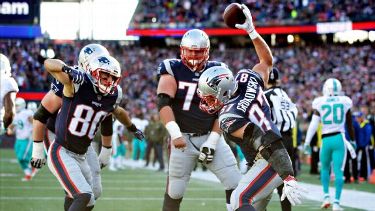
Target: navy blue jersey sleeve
x: 165, y: 67
x: 243, y: 76
x: 231, y: 124
x: 57, y: 87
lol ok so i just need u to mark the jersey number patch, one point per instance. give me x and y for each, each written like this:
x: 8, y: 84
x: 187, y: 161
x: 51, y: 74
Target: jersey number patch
x: 84, y: 122
x: 338, y: 114
x: 189, y: 94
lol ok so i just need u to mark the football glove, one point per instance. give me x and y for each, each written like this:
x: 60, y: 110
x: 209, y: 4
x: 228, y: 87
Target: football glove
x: 136, y: 132
x: 38, y: 159
x: 104, y: 156
x: 76, y: 75
x: 307, y: 149
x: 248, y: 25
x: 292, y: 191
x: 207, y: 150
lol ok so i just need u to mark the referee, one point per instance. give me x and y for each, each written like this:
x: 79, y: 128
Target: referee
x: 284, y: 113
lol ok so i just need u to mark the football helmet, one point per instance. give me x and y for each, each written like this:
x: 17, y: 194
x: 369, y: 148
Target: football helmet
x: 20, y: 104
x: 32, y: 106
x: 332, y: 87
x: 88, y: 52
x: 215, y: 87
x: 105, y: 73
x: 195, y: 49
x: 5, y: 66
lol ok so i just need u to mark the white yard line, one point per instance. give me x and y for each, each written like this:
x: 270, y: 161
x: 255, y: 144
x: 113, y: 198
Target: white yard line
x: 107, y: 198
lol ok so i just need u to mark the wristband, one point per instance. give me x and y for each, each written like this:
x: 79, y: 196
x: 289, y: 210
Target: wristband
x: 253, y: 34
x: 132, y: 128
x: 38, y: 150
x: 213, y: 138
x: 173, y: 129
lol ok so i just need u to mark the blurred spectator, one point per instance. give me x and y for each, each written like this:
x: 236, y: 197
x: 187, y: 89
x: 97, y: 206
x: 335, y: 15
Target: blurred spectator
x: 197, y: 13
x: 364, y: 140
x: 156, y: 135
x: 351, y: 165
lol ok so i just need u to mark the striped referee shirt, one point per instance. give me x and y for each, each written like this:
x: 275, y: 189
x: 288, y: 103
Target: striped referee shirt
x: 283, y: 110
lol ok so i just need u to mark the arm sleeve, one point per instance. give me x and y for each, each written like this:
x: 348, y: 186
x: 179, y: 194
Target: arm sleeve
x: 312, y: 128
x: 106, y: 126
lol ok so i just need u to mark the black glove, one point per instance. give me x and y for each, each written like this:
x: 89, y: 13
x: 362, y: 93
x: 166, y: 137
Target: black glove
x: 75, y: 75
x: 37, y: 163
x: 136, y: 132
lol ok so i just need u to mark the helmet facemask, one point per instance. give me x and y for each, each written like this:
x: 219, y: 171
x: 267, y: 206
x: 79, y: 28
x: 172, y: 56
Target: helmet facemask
x: 104, y: 80
x: 194, y: 58
x: 209, y: 103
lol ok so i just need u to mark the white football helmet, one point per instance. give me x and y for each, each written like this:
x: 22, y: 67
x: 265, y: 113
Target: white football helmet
x: 195, y: 49
x: 107, y: 67
x: 332, y: 87
x: 32, y: 106
x: 89, y: 52
x: 20, y: 104
x: 5, y: 66
x: 215, y: 87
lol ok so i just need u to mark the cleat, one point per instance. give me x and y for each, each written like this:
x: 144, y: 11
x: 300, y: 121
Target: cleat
x: 326, y: 203
x: 26, y: 178
x: 336, y: 207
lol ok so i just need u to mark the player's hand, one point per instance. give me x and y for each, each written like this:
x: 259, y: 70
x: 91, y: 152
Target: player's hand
x: 248, y: 25
x: 136, y: 132
x: 104, y: 156
x: 292, y: 191
x: 38, y: 159
x: 179, y: 143
x: 354, y: 144
x: 207, y: 152
x: 307, y: 149
x: 76, y: 75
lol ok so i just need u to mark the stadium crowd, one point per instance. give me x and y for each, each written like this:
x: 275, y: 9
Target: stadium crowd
x: 180, y: 13
x: 300, y: 68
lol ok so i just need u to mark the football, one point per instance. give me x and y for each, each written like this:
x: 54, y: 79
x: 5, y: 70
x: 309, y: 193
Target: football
x: 233, y: 15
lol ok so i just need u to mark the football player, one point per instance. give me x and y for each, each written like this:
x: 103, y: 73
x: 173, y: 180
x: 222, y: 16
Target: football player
x: 22, y: 127
x: 8, y: 91
x: 45, y: 117
x: 245, y: 119
x: 195, y: 135
x: 333, y: 111
x: 88, y: 99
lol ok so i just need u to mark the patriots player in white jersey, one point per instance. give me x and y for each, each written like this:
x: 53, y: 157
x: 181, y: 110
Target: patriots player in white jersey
x: 245, y: 118
x: 21, y: 128
x: 8, y: 91
x: 333, y: 111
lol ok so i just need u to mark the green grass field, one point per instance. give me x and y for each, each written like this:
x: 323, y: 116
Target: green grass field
x: 135, y: 190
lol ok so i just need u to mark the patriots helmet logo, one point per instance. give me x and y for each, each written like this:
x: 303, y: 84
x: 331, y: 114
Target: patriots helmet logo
x: 88, y: 51
x: 104, y: 60
x: 215, y: 81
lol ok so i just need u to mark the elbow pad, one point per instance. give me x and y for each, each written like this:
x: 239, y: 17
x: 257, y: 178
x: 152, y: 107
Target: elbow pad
x: 278, y: 157
x: 42, y: 114
x: 164, y: 100
x: 257, y: 138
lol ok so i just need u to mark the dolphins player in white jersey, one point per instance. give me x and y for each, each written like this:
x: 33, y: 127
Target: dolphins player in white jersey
x: 333, y: 111
x: 8, y: 91
x: 22, y: 128
x: 118, y: 147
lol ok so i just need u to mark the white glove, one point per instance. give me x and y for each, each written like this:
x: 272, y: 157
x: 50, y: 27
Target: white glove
x: 104, y: 156
x: 248, y: 25
x: 292, y: 191
x: 307, y: 149
x: 207, y: 150
x: 37, y: 158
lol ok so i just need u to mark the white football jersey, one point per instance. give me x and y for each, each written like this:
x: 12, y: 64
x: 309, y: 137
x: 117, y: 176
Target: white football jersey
x: 332, y: 110
x: 22, y: 124
x: 8, y: 84
x: 140, y: 123
x: 118, y: 130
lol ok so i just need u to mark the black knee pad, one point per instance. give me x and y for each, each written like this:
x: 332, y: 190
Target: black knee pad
x: 228, y: 193
x: 67, y: 203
